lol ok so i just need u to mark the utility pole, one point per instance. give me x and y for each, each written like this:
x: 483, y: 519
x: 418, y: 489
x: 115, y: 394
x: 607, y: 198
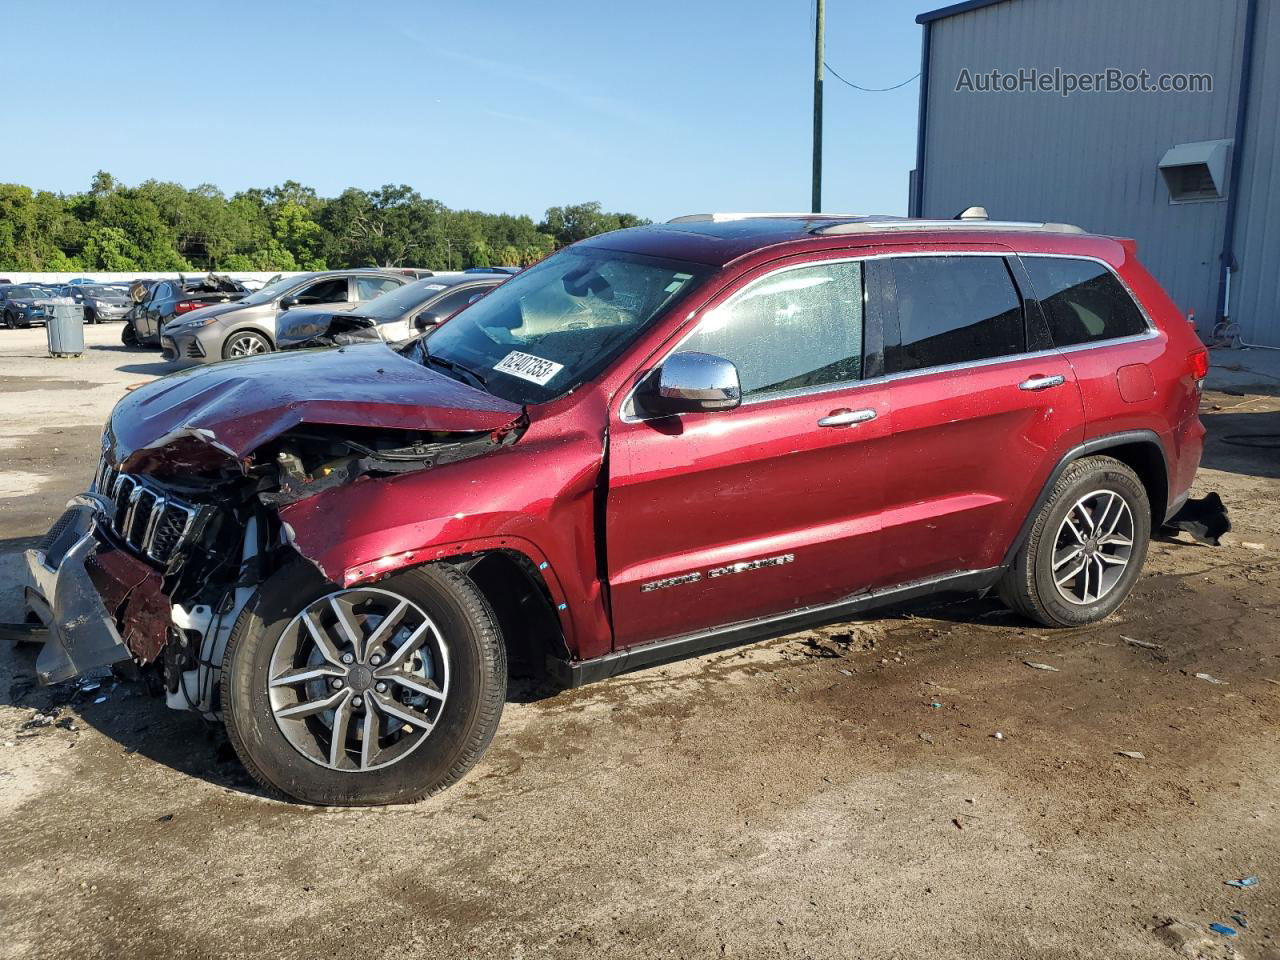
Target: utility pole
x: 819, y: 56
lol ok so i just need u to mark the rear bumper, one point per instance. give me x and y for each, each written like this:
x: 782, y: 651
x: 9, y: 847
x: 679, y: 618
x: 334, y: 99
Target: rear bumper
x: 80, y: 585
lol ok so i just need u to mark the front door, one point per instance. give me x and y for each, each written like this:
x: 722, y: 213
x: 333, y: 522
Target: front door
x: 983, y: 410
x: 720, y: 518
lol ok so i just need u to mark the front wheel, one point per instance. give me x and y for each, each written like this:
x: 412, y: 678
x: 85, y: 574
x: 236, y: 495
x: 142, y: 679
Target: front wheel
x: 129, y: 336
x: 246, y: 343
x: 1085, y: 549
x: 367, y: 695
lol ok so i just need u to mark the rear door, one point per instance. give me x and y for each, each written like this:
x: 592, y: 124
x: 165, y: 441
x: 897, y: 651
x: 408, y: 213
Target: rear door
x: 148, y: 316
x: 719, y: 518
x: 983, y: 409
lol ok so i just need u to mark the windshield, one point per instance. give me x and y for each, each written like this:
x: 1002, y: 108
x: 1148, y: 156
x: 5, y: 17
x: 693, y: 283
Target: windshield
x: 97, y: 290
x: 272, y: 290
x: 394, y: 305
x: 24, y: 293
x: 556, y: 325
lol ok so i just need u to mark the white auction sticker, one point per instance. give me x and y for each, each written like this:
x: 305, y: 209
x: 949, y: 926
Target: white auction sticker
x: 528, y: 367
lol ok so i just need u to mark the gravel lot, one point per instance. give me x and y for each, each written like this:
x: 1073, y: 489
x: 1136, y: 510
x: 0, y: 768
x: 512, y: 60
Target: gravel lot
x: 836, y: 793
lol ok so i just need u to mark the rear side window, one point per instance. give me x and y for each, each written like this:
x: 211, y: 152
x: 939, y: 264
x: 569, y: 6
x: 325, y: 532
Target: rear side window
x: 953, y: 310
x: 792, y: 330
x: 367, y: 288
x: 1083, y: 301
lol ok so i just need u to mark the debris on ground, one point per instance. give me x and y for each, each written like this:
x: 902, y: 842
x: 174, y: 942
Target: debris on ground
x: 101, y: 699
x: 1040, y: 666
x: 1223, y: 929
x: 1192, y: 940
x: 1208, y: 678
x: 1249, y: 545
x: 66, y: 723
x: 1243, y: 884
x: 1239, y: 920
x: 1142, y: 643
x: 40, y: 719
x: 1132, y: 754
x: 1205, y: 519
x: 997, y: 735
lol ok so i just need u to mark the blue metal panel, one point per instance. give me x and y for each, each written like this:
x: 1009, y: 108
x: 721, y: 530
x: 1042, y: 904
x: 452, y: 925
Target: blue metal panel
x: 1090, y: 158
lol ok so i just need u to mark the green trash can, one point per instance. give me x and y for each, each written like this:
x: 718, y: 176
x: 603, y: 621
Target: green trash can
x: 64, y: 326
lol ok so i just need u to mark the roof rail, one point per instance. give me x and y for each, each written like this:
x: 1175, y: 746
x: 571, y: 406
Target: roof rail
x: 879, y: 226
x: 729, y: 217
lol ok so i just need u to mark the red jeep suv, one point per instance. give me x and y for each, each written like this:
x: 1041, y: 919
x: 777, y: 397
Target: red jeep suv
x: 655, y: 442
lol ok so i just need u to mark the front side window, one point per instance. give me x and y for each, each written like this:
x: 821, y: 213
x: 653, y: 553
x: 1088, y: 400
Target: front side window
x: 333, y: 290
x: 369, y: 288
x: 792, y: 330
x: 557, y: 324
x: 1083, y: 301
x: 953, y: 310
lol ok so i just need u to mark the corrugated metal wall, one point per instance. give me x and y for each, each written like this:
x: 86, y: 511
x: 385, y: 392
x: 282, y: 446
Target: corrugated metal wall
x: 1255, y: 287
x: 1092, y: 158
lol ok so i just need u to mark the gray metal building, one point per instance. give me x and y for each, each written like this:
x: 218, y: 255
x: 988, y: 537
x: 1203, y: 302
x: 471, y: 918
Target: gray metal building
x: 1192, y: 175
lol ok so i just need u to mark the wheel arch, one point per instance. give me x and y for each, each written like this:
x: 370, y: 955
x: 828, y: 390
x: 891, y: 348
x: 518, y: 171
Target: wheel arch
x: 247, y: 328
x: 1139, y: 450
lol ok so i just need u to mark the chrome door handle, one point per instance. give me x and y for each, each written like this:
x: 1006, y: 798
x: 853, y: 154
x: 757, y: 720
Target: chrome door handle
x: 1042, y: 383
x: 846, y: 418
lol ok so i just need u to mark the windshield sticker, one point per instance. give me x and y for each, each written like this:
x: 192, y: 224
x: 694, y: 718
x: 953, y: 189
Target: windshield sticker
x: 435, y: 286
x: 528, y: 367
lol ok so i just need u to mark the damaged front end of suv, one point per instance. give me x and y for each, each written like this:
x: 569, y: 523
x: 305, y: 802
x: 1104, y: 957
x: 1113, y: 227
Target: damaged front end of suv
x: 151, y: 568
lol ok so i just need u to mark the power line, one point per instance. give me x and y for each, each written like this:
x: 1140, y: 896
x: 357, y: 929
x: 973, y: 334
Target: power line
x: 855, y: 86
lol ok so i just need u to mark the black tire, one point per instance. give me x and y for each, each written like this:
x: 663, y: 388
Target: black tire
x: 1029, y: 587
x: 90, y: 316
x: 250, y: 340
x: 128, y: 335
x: 8, y: 321
x: 464, y: 726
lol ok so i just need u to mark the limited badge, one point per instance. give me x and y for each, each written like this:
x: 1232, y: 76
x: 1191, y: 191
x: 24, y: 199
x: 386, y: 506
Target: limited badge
x: 528, y: 367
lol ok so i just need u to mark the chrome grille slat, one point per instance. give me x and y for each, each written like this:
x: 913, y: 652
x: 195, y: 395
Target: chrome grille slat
x: 147, y: 520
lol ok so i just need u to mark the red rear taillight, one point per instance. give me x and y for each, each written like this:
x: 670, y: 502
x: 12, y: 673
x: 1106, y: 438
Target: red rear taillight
x: 1199, y: 362
x: 187, y: 306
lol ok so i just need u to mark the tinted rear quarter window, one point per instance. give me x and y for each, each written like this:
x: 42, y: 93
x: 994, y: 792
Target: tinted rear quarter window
x: 1083, y: 301
x: 953, y: 310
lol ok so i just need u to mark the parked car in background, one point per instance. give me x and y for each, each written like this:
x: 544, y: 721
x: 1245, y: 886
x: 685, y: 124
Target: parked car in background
x: 23, y: 304
x: 176, y: 298
x: 78, y: 281
x: 100, y: 301
x: 509, y: 271
x: 398, y: 315
x: 248, y: 327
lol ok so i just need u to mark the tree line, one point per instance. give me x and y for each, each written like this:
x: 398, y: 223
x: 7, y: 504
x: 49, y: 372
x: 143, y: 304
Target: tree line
x: 166, y: 226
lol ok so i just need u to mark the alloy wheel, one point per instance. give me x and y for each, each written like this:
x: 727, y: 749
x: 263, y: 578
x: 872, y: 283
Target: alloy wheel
x: 1093, y: 546
x: 247, y: 345
x: 358, y: 679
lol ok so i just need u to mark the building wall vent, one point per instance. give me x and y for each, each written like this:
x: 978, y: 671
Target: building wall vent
x: 1196, y: 171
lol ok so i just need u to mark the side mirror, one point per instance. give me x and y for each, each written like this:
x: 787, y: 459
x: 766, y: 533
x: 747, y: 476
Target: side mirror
x: 693, y: 383
x: 287, y: 302
x: 428, y: 319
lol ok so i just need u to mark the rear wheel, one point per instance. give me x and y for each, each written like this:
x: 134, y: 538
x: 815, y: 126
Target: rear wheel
x: 129, y: 336
x: 246, y: 343
x: 8, y: 320
x: 367, y: 695
x: 1086, y: 547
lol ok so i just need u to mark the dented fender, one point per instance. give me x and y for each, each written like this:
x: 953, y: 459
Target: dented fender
x: 537, y: 497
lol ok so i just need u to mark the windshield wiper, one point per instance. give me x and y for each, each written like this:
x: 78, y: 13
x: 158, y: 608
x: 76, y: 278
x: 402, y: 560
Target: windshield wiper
x: 452, y: 365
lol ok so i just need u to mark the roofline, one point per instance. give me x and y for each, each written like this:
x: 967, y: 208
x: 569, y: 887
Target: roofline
x: 731, y: 217
x: 908, y: 224
x: 951, y: 11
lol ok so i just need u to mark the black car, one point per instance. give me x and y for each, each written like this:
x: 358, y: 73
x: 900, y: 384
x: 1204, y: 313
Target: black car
x: 173, y: 298
x: 100, y: 301
x: 23, y: 304
x: 394, y: 316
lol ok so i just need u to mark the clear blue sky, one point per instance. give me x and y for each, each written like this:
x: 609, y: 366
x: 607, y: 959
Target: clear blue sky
x: 658, y: 107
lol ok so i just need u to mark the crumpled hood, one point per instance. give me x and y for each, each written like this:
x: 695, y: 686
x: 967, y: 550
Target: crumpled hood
x: 238, y: 405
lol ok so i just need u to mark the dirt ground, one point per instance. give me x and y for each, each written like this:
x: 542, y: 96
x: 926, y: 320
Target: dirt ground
x: 838, y: 793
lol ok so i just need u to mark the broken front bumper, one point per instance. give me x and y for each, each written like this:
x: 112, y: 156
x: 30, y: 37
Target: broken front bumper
x: 81, y: 584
